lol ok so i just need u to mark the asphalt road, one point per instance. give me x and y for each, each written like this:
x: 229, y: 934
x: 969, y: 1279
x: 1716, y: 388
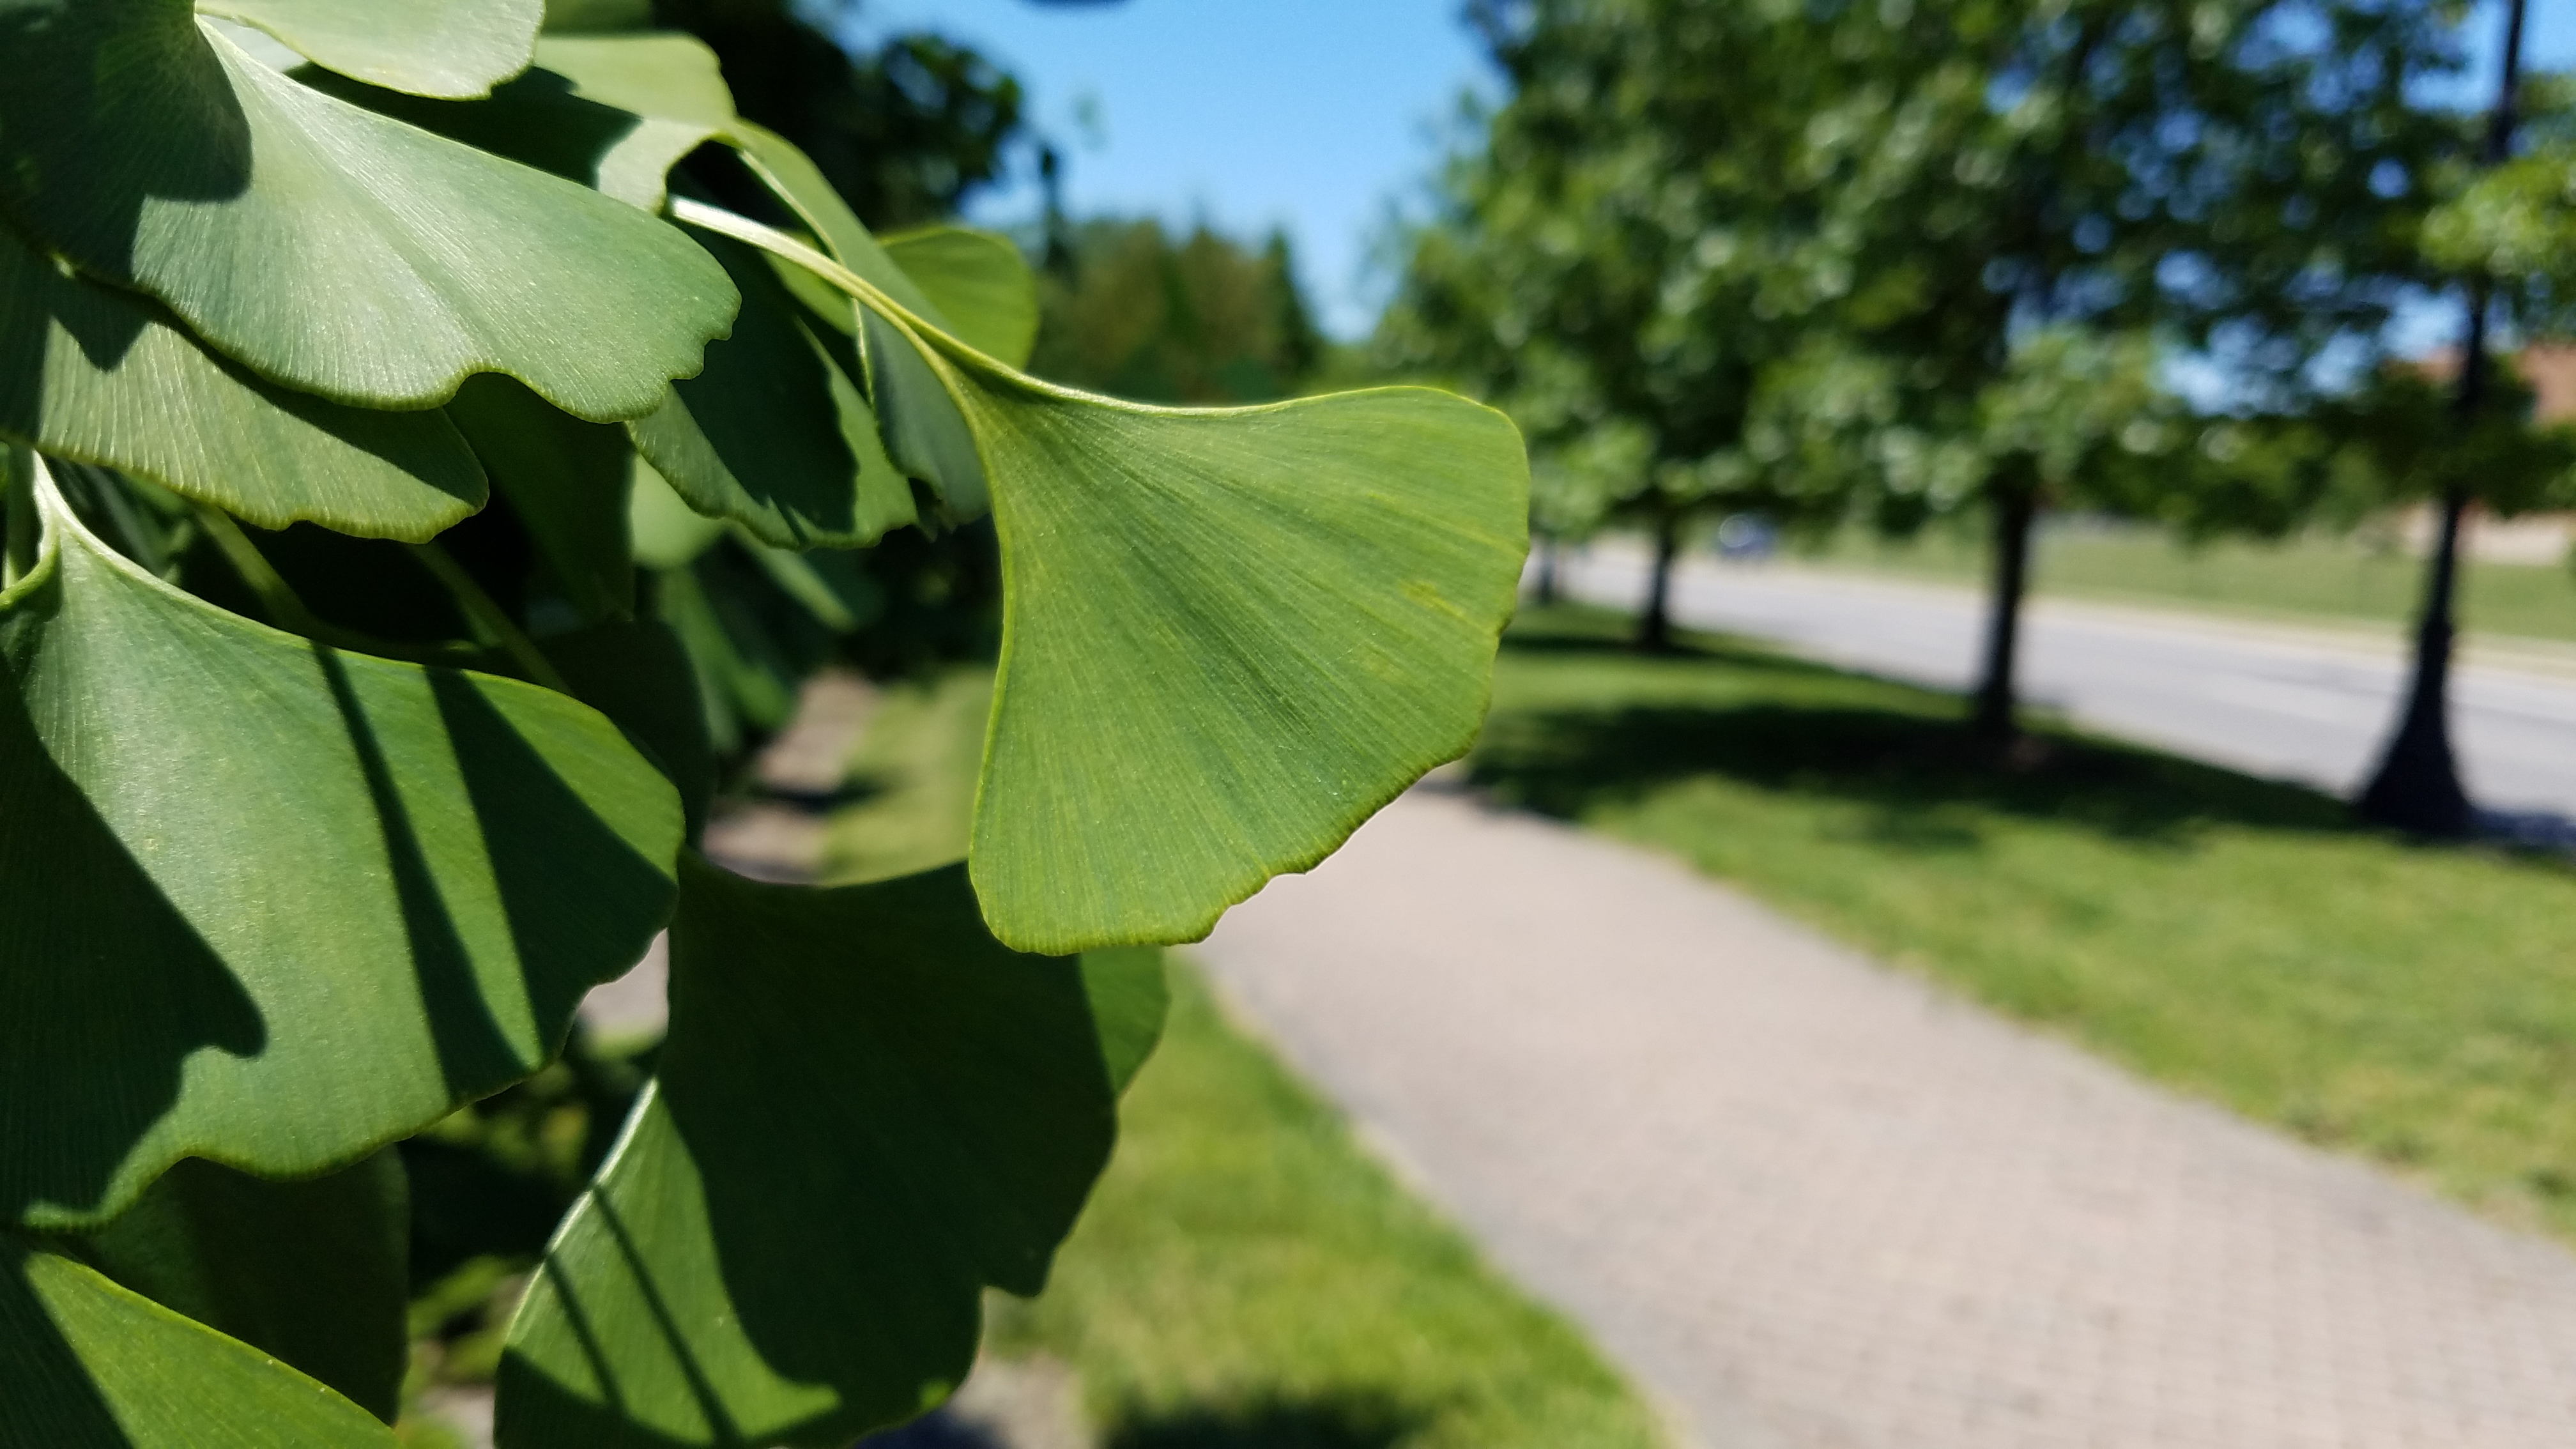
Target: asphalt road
x: 2295, y: 702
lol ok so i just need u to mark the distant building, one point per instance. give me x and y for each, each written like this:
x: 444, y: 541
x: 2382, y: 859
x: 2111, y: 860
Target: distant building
x: 2549, y: 369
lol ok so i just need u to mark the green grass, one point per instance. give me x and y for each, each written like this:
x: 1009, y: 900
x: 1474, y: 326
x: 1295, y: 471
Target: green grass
x: 1245, y: 1277
x: 2344, y: 579
x: 2241, y: 940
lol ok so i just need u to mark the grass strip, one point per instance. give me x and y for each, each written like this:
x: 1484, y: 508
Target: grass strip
x: 2325, y: 579
x: 2242, y: 940
x: 1247, y: 1278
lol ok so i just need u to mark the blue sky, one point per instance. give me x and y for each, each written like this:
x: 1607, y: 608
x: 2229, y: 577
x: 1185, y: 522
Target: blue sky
x: 1315, y: 115
x: 1308, y: 114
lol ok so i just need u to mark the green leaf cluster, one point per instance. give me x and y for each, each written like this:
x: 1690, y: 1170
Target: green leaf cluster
x: 435, y: 448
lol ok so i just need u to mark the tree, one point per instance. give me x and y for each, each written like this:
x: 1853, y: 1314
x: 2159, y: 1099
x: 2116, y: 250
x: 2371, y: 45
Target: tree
x: 2234, y: 179
x: 1583, y: 273
x: 1133, y: 314
x: 396, y: 447
x: 2417, y: 785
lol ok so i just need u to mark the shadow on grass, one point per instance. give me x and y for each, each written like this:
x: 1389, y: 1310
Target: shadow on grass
x: 1787, y: 726
x: 1338, y: 1422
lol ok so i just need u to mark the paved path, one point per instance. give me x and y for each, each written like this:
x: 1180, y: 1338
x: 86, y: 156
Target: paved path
x: 1815, y: 1205
x: 2305, y: 703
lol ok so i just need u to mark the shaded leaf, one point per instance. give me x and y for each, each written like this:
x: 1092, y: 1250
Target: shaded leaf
x: 311, y: 1272
x: 566, y: 480
x: 297, y: 902
x: 614, y: 113
x: 103, y: 376
x: 86, y: 1364
x: 326, y: 246
x: 979, y: 282
x: 427, y: 47
x: 868, y: 1110
x: 924, y: 434
x: 638, y: 675
x: 775, y: 434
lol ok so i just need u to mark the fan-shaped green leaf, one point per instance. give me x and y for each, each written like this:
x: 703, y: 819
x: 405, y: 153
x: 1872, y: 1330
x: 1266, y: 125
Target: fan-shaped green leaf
x: 326, y: 246
x: 85, y: 1364
x: 775, y: 434
x: 103, y: 376
x: 868, y: 1111
x: 313, y: 1272
x: 297, y: 902
x: 923, y: 433
x: 1227, y: 639
x: 668, y: 76
x: 427, y: 47
x: 614, y: 113
x: 1229, y: 636
x: 979, y: 282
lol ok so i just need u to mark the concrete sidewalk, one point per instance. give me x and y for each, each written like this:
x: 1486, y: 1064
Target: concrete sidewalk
x: 1812, y: 1203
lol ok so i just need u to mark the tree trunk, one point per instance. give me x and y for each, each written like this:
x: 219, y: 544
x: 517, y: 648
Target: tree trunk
x: 2417, y: 787
x: 2015, y: 505
x: 1655, y: 624
x: 1543, y: 590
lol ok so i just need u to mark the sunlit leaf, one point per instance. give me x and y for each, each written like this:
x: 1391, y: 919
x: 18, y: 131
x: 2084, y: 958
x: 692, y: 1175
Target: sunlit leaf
x: 1228, y: 638
x: 297, y: 902
x: 638, y: 675
x: 311, y: 1272
x: 979, y: 282
x: 86, y: 1364
x: 1228, y: 635
x: 103, y: 376
x: 326, y: 246
x: 668, y: 76
x: 427, y: 47
x: 868, y: 1110
x: 667, y: 531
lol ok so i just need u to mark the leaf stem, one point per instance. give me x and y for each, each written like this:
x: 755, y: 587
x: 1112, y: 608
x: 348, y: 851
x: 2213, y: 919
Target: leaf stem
x: 487, y: 613
x: 18, y: 523
x: 286, y: 609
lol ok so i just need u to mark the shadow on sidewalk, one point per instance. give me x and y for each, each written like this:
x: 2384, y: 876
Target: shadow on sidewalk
x: 1585, y: 723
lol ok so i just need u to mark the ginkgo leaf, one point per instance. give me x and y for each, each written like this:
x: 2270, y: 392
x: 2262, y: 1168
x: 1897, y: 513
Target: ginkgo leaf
x: 775, y: 434
x: 614, y: 113
x: 566, y: 480
x: 103, y: 376
x: 868, y: 1111
x: 86, y: 1364
x: 979, y: 282
x: 1228, y: 636
x: 296, y: 902
x: 924, y: 434
x: 326, y: 246
x: 450, y: 48
x: 312, y: 1272
x: 665, y: 76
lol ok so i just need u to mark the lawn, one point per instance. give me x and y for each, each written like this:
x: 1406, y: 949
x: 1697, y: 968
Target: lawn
x: 2321, y: 578
x: 2241, y: 940
x: 1245, y: 1277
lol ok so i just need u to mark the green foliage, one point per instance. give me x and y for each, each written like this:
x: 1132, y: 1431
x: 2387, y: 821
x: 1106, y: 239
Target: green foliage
x: 409, y: 467
x: 1203, y: 321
